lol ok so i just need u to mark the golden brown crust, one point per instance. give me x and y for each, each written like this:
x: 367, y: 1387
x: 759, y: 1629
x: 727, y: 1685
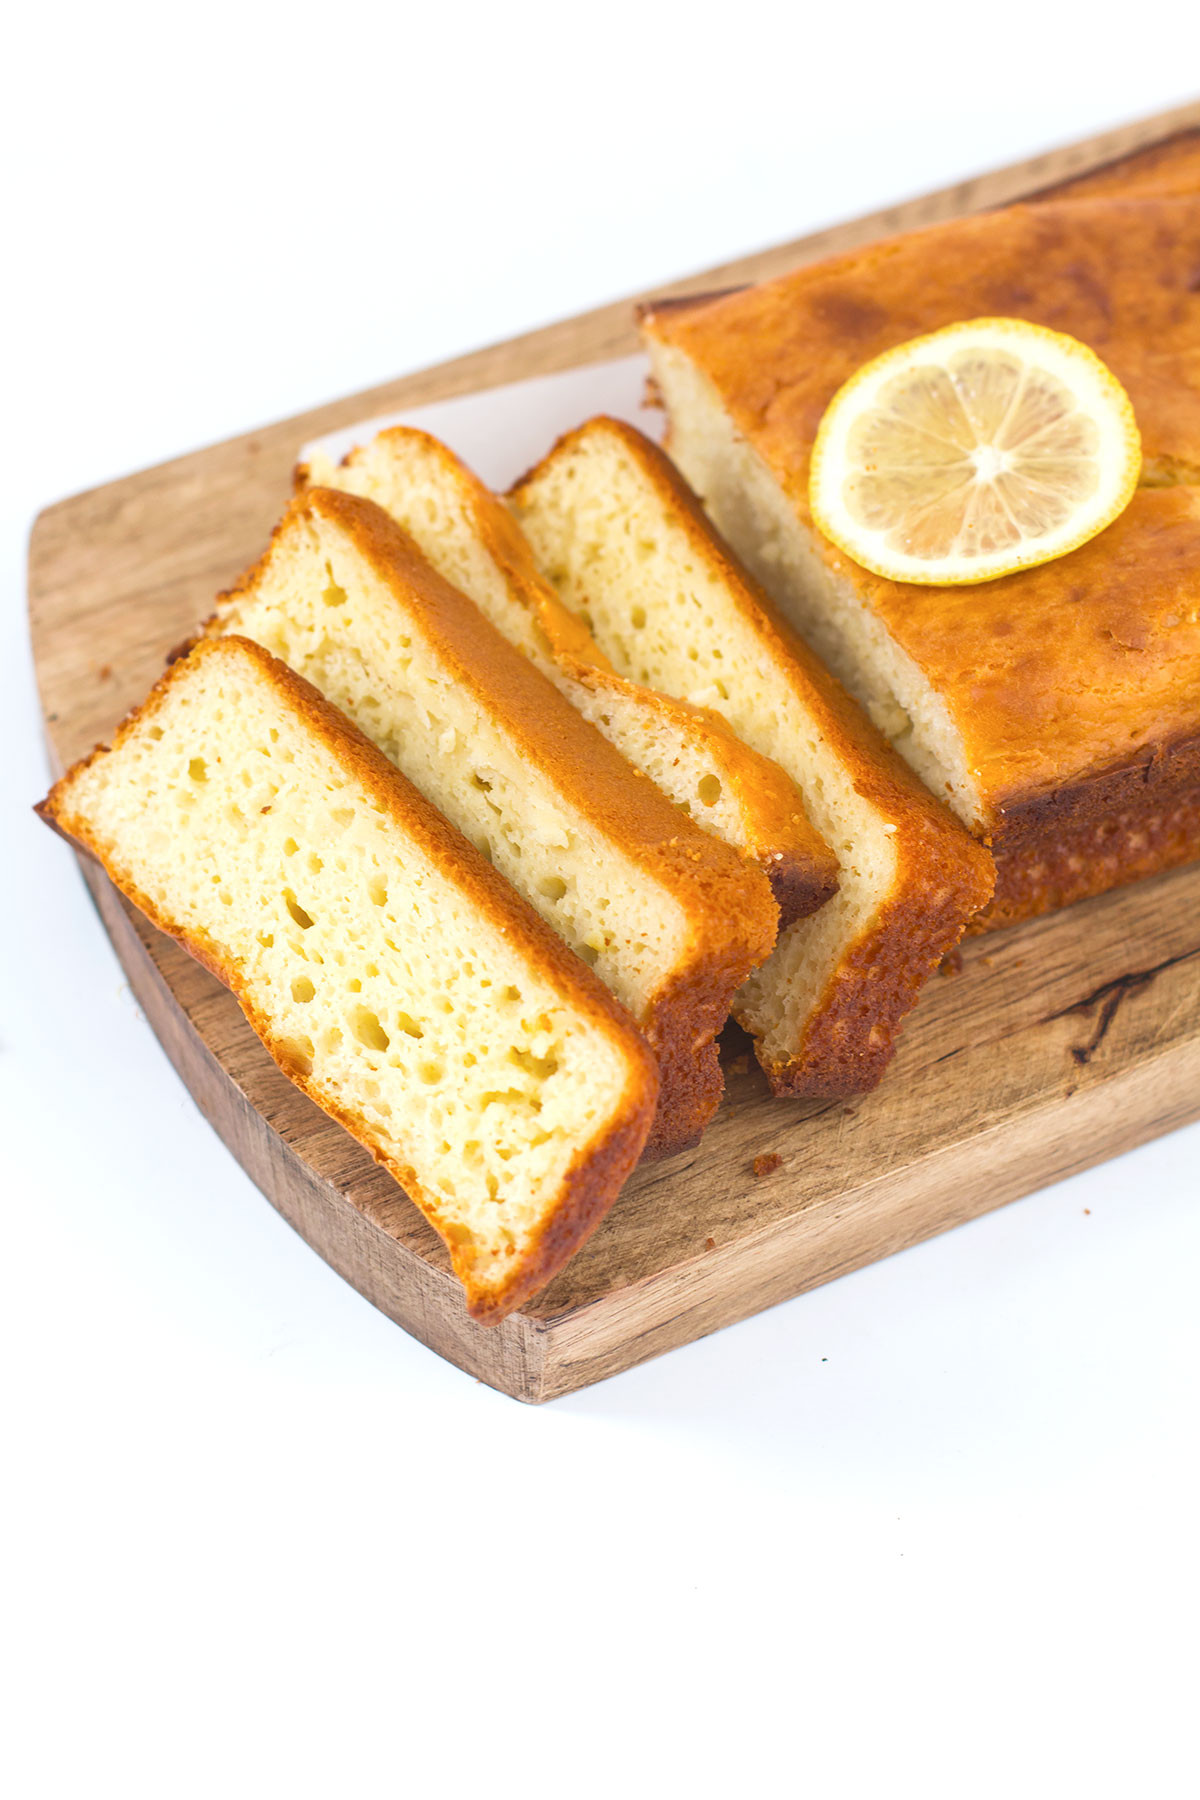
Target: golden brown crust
x: 942, y: 876
x: 1118, y: 274
x: 596, y: 1176
x: 732, y: 918
x: 941, y: 882
x: 1075, y: 667
x: 1112, y: 826
x: 851, y: 1036
x: 801, y: 868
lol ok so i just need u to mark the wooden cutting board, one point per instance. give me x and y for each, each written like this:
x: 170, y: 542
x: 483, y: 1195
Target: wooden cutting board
x: 1056, y: 1045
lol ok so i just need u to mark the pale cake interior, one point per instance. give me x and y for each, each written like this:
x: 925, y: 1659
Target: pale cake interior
x: 385, y: 985
x: 662, y: 613
x: 319, y: 604
x: 751, y: 510
x: 408, y: 475
x: 681, y: 763
x: 414, y: 480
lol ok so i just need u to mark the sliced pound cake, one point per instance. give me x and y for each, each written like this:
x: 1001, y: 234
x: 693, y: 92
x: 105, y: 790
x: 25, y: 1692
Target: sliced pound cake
x: 629, y: 550
x: 391, y: 973
x: 671, y: 919
x: 689, y: 752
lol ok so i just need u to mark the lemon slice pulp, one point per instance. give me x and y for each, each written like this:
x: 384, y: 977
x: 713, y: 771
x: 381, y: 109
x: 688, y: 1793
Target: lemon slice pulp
x: 983, y: 448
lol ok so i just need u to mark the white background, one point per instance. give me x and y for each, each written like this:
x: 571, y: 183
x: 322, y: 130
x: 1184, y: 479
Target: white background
x: 930, y: 1531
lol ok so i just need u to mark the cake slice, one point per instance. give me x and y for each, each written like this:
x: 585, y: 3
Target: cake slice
x: 626, y: 545
x: 1057, y: 710
x: 391, y: 973
x: 671, y: 919
x: 689, y: 752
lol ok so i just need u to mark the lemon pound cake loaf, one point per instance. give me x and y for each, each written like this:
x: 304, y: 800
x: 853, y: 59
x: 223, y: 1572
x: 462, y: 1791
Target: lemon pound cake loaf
x: 671, y: 919
x: 1056, y: 709
x: 387, y: 968
x: 628, y: 547
x: 689, y: 752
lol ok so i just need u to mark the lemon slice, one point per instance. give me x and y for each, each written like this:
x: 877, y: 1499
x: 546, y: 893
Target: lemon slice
x: 987, y: 447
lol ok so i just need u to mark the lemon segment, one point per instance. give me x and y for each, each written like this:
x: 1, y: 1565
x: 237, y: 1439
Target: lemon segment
x: 984, y: 448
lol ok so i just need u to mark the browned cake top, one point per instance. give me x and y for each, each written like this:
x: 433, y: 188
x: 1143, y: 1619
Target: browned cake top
x: 1121, y: 275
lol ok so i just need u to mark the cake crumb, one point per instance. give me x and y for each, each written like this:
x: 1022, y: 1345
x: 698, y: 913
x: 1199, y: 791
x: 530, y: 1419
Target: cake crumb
x: 710, y: 1243
x: 106, y: 671
x: 739, y: 1065
x: 951, y: 963
x: 767, y: 1163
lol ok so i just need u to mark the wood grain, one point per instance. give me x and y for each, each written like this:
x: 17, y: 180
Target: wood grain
x: 1058, y: 1045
